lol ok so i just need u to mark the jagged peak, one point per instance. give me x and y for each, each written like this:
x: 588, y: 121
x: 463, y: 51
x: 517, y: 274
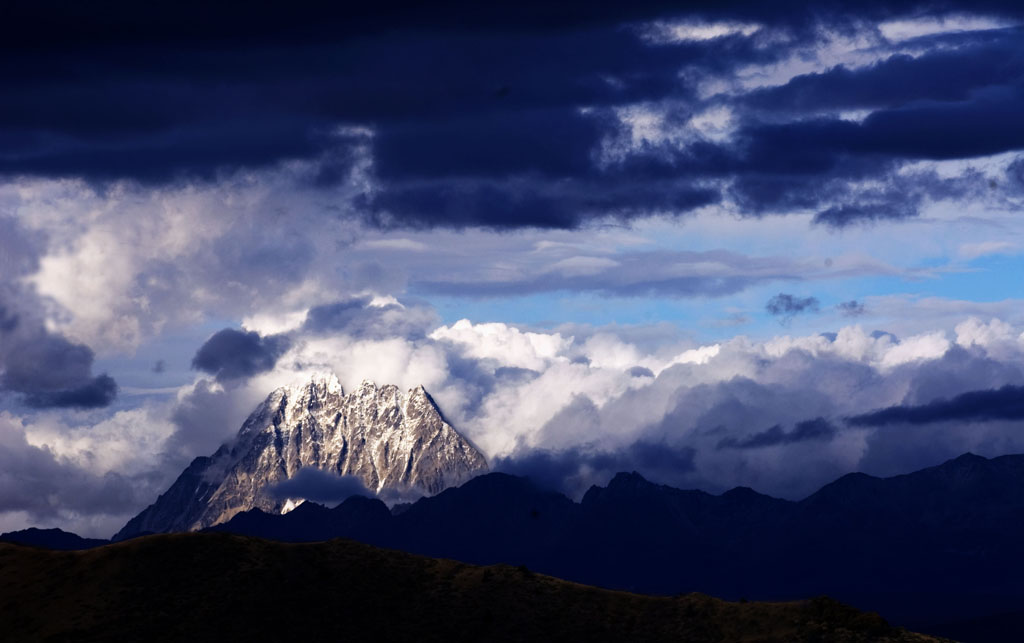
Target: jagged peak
x: 622, y: 483
x: 740, y: 492
x: 315, y: 387
x: 624, y: 479
x: 370, y: 390
x: 385, y: 436
x: 365, y: 386
x: 325, y: 381
x: 966, y: 464
x: 418, y: 393
x: 967, y: 458
x: 421, y: 397
x: 320, y: 383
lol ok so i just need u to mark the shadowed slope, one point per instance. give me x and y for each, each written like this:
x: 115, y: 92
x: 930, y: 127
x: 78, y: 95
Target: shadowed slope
x: 220, y: 587
x: 923, y: 549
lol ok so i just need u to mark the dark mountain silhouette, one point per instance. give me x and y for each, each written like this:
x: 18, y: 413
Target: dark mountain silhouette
x: 936, y: 550
x: 51, y: 539
x: 935, y: 546
x: 216, y: 587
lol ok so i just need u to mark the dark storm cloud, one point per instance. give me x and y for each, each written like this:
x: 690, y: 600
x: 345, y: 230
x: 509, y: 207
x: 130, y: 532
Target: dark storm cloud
x: 961, y: 370
x: 99, y: 392
x: 358, y: 319
x: 640, y: 371
x: 205, y: 418
x: 852, y: 308
x: 496, y: 115
x: 310, y: 483
x: 958, y: 101
x: 34, y: 480
x: 552, y: 142
x: 840, y: 169
x: 816, y: 429
x: 1015, y: 174
x: 1005, y: 403
x: 58, y: 24
x: 787, y: 306
x: 8, y: 320
x: 573, y: 470
x: 46, y: 369
x: 947, y: 75
x: 20, y: 250
x: 131, y: 107
x: 232, y: 354
x: 526, y: 202
x: 507, y: 375
x: 890, y: 207
x: 47, y: 363
x: 916, y: 101
x: 988, y: 124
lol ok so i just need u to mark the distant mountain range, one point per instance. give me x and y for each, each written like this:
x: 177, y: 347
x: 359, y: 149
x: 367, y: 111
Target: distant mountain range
x: 56, y: 539
x: 386, y: 439
x: 926, y: 549
x: 939, y: 545
x: 217, y: 587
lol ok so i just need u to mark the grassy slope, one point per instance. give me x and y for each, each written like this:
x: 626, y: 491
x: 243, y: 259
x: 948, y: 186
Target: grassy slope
x: 220, y: 587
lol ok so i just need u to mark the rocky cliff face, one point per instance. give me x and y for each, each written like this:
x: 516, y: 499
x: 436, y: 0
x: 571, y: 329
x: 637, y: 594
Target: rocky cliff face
x: 390, y: 440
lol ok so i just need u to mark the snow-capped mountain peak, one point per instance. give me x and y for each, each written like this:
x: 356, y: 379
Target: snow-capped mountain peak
x: 389, y: 439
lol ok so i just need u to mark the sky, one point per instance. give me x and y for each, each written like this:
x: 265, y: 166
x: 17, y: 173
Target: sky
x: 719, y: 243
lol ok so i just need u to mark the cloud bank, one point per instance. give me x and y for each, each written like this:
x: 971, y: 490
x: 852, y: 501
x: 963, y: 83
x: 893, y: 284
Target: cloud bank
x: 570, y: 407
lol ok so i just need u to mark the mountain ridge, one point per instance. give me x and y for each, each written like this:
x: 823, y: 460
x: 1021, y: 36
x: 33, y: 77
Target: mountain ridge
x: 919, y: 548
x: 53, y: 538
x: 215, y: 587
x: 386, y: 439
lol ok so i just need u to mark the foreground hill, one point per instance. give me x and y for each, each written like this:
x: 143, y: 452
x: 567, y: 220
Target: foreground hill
x: 206, y: 587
